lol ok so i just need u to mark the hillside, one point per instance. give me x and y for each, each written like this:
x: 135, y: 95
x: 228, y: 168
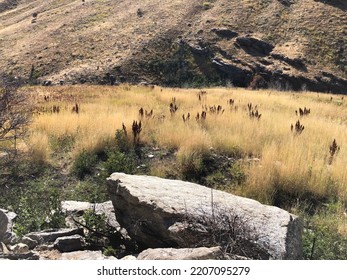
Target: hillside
x: 283, y: 44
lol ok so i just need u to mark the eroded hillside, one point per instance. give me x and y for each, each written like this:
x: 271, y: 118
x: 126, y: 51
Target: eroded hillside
x: 290, y: 44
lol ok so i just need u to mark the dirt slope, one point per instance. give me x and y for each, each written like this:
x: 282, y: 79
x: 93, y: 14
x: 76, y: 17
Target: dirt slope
x: 290, y: 44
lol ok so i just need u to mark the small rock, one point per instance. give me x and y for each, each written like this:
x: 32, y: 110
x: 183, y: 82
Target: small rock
x: 52, y: 235
x: 20, y: 248
x: 201, y: 253
x: 70, y: 243
x: 128, y: 258
x: 30, y: 242
x: 3, y: 249
x: 45, y: 247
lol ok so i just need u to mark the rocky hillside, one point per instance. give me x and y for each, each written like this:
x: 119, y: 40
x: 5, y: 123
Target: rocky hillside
x: 287, y: 44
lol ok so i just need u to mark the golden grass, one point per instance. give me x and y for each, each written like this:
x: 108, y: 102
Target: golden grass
x: 297, y: 164
x: 39, y: 147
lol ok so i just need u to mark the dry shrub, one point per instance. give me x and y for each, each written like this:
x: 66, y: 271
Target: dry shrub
x: 192, y: 156
x: 217, y: 226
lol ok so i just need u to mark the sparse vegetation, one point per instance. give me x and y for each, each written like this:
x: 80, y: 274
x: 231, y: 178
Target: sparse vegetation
x: 224, y: 148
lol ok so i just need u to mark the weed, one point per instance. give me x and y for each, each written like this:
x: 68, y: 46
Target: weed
x: 298, y: 128
x: 333, y: 150
x: 303, y: 112
x: 253, y: 111
x: 173, y: 106
x: 136, y: 128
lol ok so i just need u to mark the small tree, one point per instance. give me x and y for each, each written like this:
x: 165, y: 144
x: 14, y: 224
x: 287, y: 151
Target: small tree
x: 15, y: 113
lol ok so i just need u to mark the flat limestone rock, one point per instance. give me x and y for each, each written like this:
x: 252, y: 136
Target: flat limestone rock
x: 201, y: 253
x: 158, y: 213
x: 85, y: 255
x: 47, y: 236
x: 69, y: 243
x: 76, y: 255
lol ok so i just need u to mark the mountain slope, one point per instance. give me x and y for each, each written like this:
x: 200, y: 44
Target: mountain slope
x: 292, y: 44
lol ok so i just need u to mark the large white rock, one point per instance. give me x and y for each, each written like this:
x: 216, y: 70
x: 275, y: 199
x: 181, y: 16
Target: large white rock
x: 159, y: 213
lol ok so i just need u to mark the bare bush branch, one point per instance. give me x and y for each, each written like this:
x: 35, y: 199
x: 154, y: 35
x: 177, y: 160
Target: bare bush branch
x: 15, y: 114
x: 222, y: 227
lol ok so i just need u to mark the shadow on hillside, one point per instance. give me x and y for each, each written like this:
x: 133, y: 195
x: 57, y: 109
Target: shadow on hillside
x: 6, y: 5
x: 340, y: 4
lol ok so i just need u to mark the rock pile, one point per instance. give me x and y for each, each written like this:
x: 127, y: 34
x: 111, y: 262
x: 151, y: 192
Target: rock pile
x: 167, y: 219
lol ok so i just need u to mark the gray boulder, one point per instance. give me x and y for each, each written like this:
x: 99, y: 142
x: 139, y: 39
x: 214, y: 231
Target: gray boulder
x: 69, y: 243
x: 168, y: 213
x: 31, y: 243
x: 6, y: 224
x: 202, y: 253
x: 47, y: 236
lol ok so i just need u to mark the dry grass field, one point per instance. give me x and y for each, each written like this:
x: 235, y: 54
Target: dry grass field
x: 274, y: 156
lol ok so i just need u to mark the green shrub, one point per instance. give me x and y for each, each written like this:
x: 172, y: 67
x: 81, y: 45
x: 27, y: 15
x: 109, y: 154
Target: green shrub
x: 92, y: 189
x: 37, y: 207
x: 192, y: 165
x: 119, y: 162
x: 322, y: 241
x: 122, y: 141
x: 238, y: 174
x: 84, y: 164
